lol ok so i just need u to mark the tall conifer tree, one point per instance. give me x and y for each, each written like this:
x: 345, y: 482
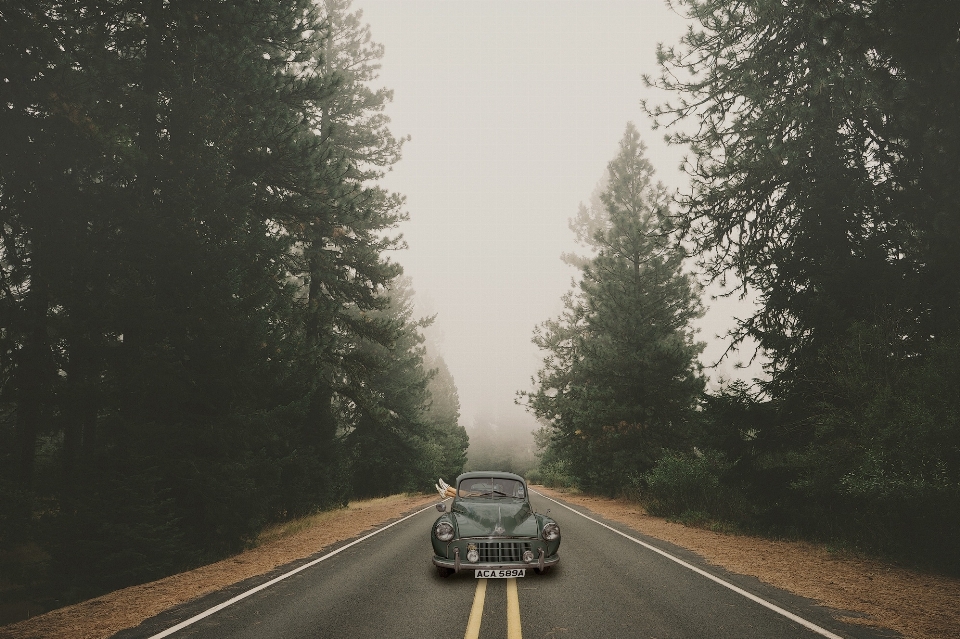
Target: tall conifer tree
x: 824, y: 173
x: 621, y: 379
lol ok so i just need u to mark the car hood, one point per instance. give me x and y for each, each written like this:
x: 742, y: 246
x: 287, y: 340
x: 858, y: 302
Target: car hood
x: 481, y: 519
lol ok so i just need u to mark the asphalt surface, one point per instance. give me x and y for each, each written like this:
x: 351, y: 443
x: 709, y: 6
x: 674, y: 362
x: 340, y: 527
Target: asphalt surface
x: 606, y: 586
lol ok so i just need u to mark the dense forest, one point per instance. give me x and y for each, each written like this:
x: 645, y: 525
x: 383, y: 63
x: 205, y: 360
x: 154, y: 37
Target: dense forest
x: 824, y: 166
x: 201, y: 327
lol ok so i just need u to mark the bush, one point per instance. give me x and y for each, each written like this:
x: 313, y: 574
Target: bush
x: 681, y: 484
x: 551, y: 475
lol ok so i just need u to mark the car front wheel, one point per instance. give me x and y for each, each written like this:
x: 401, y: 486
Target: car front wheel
x: 444, y: 572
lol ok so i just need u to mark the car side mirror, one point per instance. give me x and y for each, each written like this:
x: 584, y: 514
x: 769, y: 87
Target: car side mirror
x: 442, y: 507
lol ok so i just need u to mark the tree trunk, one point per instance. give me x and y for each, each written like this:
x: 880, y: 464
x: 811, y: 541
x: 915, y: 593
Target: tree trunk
x: 30, y: 373
x: 80, y: 412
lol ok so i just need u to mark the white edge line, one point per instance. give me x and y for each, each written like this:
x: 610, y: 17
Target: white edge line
x: 210, y: 611
x: 789, y: 615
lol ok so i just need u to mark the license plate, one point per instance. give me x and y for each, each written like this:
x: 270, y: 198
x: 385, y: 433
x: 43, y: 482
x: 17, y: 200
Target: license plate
x: 500, y: 574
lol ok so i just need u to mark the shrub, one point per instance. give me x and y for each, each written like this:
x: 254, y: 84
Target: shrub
x: 681, y: 484
x: 551, y: 475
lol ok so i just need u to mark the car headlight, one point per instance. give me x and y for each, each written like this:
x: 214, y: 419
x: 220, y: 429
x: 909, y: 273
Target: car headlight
x: 444, y: 531
x: 551, y: 531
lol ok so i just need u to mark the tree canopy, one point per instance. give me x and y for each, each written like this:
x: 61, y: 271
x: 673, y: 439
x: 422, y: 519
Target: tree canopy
x: 823, y: 165
x: 199, y: 313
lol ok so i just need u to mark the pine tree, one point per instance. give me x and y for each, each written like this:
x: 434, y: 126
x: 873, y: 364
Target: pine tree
x: 343, y: 242
x: 621, y: 379
x: 395, y: 446
x: 824, y: 166
x: 443, y: 415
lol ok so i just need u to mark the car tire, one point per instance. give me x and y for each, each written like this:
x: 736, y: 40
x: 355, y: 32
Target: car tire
x: 542, y: 571
x: 444, y: 572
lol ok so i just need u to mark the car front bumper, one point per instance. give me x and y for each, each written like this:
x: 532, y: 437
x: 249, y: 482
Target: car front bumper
x: 457, y: 564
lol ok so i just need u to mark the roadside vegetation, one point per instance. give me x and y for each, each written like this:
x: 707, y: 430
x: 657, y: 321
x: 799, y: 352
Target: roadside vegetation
x: 824, y: 164
x: 202, y: 331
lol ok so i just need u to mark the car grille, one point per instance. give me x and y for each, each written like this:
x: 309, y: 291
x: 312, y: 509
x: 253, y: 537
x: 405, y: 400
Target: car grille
x: 501, y: 551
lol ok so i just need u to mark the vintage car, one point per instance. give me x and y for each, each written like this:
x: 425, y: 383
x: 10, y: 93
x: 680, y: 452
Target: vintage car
x: 491, y: 529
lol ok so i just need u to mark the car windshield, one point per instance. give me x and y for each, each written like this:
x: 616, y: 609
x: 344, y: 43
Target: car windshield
x: 491, y: 487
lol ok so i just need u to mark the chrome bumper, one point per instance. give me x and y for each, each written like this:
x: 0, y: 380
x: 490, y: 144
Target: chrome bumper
x: 457, y: 566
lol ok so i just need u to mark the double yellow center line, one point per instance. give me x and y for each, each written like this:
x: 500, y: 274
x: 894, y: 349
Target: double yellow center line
x: 476, y: 612
x: 513, y: 610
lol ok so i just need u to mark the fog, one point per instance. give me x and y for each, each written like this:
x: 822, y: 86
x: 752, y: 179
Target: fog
x: 514, y: 109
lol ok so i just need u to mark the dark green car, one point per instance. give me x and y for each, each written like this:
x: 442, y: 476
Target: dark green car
x: 491, y: 529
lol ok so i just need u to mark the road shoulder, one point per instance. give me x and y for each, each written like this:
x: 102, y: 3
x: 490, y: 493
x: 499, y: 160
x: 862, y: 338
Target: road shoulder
x: 866, y: 591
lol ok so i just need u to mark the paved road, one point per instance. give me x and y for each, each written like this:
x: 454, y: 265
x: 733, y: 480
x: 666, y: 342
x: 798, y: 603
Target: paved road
x: 606, y: 586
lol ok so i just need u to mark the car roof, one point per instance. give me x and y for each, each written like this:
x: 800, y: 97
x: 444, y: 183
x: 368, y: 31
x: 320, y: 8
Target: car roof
x: 493, y: 474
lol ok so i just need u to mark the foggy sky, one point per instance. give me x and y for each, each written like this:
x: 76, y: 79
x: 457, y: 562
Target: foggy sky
x: 514, y: 108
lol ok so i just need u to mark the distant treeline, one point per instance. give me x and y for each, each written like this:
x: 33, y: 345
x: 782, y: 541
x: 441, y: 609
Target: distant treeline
x: 200, y: 329
x: 825, y: 183
x: 500, y: 444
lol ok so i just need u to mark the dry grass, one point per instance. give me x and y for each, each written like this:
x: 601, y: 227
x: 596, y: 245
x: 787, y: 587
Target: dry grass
x: 278, y: 545
x: 916, y: 604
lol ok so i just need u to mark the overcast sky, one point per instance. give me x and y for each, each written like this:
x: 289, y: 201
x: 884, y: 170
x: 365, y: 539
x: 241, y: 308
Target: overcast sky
x: 514, y: 108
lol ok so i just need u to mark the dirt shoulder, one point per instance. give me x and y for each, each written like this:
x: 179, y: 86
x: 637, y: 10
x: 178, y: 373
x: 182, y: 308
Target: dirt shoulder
x: 106, y: 615
x: 916, y: 604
